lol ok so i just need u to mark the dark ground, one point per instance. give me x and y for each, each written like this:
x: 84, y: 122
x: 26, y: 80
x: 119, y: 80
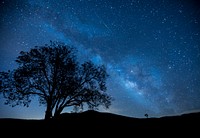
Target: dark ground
x: 97, y: 124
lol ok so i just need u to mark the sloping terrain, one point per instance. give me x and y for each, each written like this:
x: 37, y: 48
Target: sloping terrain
x: 100, y: 124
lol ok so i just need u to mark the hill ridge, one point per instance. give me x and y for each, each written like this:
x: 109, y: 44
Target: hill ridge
x: 94, y: 121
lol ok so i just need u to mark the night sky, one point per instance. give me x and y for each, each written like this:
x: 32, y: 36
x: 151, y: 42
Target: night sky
x: 151, y: 49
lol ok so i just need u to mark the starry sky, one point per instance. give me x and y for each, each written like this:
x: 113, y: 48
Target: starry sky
x: 151, y: 49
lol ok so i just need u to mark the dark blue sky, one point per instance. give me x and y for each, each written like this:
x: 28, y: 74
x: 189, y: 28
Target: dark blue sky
x: 151, y: 48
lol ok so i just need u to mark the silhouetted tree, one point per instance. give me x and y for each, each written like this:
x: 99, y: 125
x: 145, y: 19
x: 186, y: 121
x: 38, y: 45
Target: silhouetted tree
x: 52, y: 73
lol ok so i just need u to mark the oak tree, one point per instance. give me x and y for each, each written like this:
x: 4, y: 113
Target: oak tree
x: 53, y: 74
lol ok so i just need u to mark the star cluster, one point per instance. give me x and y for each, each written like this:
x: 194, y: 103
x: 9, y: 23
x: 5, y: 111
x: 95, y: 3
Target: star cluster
x: 151, y: 48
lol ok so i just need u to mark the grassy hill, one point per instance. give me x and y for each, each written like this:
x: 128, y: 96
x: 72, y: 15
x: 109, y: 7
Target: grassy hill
x: 100, y: 124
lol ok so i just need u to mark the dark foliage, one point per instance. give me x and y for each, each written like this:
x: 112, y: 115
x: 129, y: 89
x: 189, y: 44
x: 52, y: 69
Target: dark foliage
x: 53, y: 74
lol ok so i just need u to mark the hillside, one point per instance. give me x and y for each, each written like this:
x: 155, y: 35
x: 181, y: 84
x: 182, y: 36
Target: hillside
x: 101, y: 123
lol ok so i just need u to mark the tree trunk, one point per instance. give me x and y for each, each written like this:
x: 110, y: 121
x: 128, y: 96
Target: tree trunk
x: 58, y: 112
x: 48, y: 113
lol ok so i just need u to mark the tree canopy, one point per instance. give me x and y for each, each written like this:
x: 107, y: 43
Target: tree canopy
x: 53, y: 74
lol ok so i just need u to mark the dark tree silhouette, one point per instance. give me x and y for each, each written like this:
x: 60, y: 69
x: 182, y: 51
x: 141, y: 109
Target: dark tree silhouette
x: 52, y: 73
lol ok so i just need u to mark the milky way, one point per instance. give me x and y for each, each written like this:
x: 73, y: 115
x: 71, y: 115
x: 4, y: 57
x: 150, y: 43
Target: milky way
x: 151, y: 48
